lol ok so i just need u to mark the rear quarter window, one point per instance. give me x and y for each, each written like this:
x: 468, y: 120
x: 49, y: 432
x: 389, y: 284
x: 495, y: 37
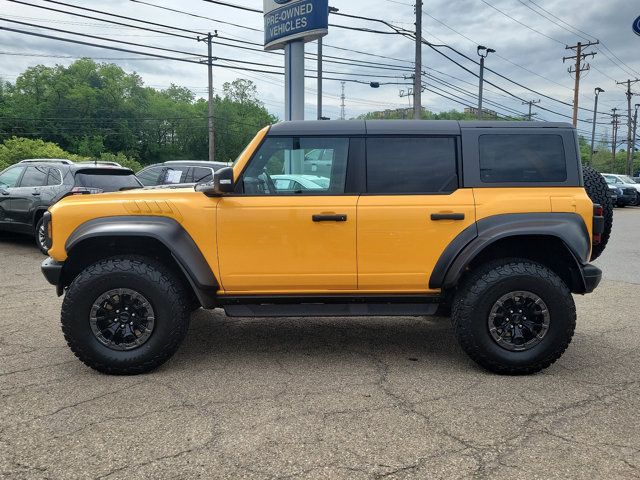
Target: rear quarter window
x: 522, y: 158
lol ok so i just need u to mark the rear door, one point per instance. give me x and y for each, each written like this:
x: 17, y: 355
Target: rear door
x: 412, y: 210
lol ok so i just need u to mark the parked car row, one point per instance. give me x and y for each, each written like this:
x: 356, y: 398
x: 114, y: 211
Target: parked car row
x: 30, y: 187
x: 624, y: 189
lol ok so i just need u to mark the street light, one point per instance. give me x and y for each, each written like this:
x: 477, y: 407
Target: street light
x: 483, y: 52
x: 320, y: 117
x: 597, y: 91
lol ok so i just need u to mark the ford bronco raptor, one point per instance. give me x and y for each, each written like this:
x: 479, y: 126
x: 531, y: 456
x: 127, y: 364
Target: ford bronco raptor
x: 494, y: 221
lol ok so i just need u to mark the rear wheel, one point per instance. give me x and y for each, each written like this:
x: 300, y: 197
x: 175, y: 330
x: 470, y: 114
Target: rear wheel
x: 598, y: 191
x: 125, y: 315
x: 514, y: 317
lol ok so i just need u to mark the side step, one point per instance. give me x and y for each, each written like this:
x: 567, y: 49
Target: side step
x: 337, y: 306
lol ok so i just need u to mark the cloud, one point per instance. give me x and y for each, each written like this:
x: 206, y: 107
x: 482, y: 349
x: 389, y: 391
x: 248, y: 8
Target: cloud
x: 531, y: 54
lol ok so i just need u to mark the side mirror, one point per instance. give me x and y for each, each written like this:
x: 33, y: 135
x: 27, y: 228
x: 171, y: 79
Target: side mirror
x: 4, y: 191
x: 222, y: 183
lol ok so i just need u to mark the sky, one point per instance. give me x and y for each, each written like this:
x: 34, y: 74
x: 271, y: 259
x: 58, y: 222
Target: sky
x: 529, y: 37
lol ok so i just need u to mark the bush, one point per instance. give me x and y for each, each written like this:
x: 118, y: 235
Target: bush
x: 15, y: 149
x: 122, y: 159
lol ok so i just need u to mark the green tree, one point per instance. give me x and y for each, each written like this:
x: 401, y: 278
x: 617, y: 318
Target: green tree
x: 91, y: 109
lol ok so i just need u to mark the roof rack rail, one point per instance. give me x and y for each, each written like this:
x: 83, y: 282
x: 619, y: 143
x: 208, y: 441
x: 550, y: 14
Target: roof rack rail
x: 99, y: 162
x: 196, y: 162
x: 62, y: 161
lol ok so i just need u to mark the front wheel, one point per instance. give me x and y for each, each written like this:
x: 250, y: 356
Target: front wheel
x: 125, y: 315
x: 41, y: 237
x: 514, y: 317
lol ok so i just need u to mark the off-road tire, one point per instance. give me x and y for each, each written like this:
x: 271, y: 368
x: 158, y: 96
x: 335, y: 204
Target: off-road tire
x: 157, y: 283
x: 598, y: 191
x: 41, y: 246
x: 483, y: 287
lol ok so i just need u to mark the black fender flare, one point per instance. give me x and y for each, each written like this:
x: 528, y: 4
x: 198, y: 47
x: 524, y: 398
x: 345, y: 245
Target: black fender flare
x: 167, y: 231
x: 568, y: 227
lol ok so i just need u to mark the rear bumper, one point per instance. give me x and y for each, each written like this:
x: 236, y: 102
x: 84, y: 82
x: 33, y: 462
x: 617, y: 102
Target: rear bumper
x: 592, y: 276
x: 52, y: 271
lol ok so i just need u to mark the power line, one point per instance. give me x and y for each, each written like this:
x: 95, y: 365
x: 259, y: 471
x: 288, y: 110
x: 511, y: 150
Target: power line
x: 523, y: 24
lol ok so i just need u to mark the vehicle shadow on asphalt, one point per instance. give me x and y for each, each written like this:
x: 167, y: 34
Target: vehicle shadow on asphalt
x: 412, y: 339
x: 17, y: 240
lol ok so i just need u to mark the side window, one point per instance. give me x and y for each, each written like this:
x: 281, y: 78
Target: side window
x: 298, y: 165
x: 34, y: 177
x: 173, y: 176
x: 202, y: 175
x: 10, y: 177
x: 419, y: 165
x: 522, y: 158
x: 149, y: 176
x: 55, y: 177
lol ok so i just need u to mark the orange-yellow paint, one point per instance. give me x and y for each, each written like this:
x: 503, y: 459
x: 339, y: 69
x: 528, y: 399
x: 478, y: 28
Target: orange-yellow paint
x: 399, y: 244
x: 269, y: 244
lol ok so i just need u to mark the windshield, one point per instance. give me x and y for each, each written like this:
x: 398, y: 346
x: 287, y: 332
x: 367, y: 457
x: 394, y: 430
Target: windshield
x: 626, y: 179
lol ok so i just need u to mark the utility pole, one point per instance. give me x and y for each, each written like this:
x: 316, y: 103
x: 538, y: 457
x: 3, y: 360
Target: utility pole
x: 597, y: 91
x: 417, y: 77
x: 320, y: 78
x: 577, y: 69
x: 614, y: 122
x: 320, y: 73
x: 211, y: 125
x: 483, y: 52
x: 342, y: 98
x: 530, y: 103
x: 635, y: 130
x: 629, y: 127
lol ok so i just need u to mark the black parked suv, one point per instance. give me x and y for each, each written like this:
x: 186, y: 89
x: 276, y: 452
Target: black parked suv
x: 29, y: 188
x: 179, y: 173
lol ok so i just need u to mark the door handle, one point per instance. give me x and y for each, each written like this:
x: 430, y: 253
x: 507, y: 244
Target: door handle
x: 35, y: 194
x: 447, y: 216
x: 329, y: 218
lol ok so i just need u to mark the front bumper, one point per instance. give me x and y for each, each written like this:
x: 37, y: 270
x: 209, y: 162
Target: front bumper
x: 52, y: 271
x: 591, y: 276
x: 626, y: 199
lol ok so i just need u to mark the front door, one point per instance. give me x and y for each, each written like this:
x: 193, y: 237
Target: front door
x: 8, y: 181
x: 412, y: 211
x: 290, y: 227
x: 26, y: 197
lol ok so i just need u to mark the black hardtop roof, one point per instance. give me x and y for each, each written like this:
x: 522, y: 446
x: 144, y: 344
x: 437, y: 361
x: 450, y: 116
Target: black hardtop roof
x: 397, y: 127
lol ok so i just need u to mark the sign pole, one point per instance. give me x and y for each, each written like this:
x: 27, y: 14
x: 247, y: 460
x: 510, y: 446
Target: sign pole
x: 288, y: 25
x: 294, y: 80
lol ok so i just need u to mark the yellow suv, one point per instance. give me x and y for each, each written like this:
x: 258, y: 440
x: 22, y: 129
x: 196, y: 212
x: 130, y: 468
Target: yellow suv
x: 492, y: 220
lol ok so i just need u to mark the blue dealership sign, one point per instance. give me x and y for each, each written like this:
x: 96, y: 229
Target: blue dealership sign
x: 288, y: 20
x: 636, y: 26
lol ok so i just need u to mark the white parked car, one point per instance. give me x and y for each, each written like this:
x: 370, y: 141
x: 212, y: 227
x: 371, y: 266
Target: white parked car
x: 300, y: 182
x: 624, y: 182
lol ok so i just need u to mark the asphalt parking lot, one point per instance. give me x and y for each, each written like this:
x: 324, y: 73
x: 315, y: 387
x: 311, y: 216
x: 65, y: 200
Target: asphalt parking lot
x: 321, y: 398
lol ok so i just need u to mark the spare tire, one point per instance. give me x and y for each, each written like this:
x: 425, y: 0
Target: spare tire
x: 598, y: 191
